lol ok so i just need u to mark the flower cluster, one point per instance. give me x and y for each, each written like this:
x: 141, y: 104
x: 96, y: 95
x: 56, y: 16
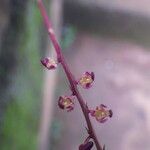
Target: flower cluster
x: 101, y: 113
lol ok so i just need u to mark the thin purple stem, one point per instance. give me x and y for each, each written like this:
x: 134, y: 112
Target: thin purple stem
x: 69, y: 75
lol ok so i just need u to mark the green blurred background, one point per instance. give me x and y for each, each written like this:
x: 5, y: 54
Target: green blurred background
x: 20, y: 77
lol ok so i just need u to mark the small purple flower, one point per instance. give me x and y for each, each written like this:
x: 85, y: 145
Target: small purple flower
x: 66, y: 102
x: 86, y: 146
x: 86, y: 80
x: 49, y: 63
x: 101, y: 113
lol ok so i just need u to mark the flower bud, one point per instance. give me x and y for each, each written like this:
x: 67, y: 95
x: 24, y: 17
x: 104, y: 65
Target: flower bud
x: 86, y: 80
x: 66, y: 102
x: 49, y: 63
x: 101, y: 113
x: 86, y: 146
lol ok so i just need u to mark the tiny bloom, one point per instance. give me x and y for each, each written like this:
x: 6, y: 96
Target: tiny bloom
x: 49, y: 63
x: 66, y: 102
x: 101, y: 113
x: 86, y: 146
x: 86, y: 80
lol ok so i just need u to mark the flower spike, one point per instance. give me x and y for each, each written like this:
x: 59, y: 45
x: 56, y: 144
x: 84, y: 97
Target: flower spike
x: 86, y: 80
x: 49, y: 63
x: 66, y: 102
x: 101, y: 113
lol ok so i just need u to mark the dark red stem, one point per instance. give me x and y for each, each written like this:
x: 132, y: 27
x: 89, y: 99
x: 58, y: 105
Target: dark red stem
x: 69, y: 75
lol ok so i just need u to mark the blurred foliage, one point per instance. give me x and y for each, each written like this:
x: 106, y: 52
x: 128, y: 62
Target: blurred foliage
x: 68, y: 36
x: 21, y: 121
x: 56, y: 133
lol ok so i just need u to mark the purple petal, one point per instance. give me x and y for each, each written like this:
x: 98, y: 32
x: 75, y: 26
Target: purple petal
x: 110, y: 113
x: 103, y: 106
x: 92, y: 76
x: 88, y: 85
x: 103, y: 120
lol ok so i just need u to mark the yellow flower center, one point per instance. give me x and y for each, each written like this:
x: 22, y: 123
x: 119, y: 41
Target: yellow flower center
x: 51, y: 62
x: 67, y: 102
x: 101, y: 113
x: 86, y: 80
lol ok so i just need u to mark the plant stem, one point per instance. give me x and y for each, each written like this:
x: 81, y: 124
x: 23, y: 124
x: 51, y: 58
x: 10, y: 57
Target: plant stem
x: 69, y: 75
